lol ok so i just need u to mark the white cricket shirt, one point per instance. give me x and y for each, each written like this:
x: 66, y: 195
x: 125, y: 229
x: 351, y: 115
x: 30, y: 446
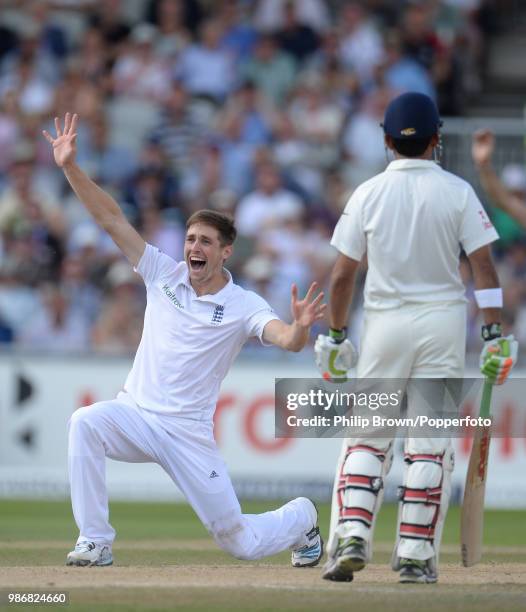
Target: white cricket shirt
x: 412, y: 220
x: 189, y: 342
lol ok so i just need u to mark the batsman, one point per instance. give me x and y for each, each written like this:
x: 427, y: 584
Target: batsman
x: 411, y: 221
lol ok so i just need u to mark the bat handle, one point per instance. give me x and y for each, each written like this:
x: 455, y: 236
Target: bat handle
x: 486, y: 399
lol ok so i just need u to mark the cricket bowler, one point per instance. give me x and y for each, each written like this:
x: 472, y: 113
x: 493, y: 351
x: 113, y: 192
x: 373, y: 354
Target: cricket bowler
x: 412, y: 221
x: 196, y: 322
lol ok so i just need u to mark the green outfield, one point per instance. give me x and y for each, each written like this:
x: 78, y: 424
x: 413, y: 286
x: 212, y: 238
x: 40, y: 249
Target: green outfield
x: 164, y: 560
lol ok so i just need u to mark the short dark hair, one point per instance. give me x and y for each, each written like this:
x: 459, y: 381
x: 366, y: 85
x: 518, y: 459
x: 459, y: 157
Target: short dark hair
x: 411, y: 147
x: 222, y: 222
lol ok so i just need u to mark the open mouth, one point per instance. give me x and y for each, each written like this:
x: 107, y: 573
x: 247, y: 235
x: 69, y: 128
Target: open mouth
x: 196, y: 263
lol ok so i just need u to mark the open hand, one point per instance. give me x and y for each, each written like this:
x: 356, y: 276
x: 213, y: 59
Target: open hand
x: 482, y: 147
x: 64, y: 145
x: 308, y: 310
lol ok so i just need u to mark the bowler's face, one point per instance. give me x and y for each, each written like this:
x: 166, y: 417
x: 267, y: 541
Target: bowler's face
x: 204, y: 253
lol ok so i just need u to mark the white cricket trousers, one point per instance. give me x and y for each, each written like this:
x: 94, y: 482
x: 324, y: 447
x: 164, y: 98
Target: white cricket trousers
x: 187, y: 451
x: 413, y: 341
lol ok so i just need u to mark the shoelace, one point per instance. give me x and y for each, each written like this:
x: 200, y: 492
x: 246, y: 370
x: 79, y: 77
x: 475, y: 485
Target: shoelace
x: 85, y: 546
x: 352, y: 541
x: 355, y: 542
x: 413, y: 563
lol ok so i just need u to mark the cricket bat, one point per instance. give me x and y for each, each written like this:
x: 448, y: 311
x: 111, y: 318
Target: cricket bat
x: 472, y: 518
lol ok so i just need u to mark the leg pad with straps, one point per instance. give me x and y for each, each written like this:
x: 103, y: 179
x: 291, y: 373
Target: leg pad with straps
x: 359, y: 491
x: 424, y: 500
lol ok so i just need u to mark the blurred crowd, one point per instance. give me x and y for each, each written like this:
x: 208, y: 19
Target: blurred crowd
x: 268, y: 109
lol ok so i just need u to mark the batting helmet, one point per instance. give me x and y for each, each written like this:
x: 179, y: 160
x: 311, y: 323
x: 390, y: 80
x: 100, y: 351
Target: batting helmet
x: 411, y: 115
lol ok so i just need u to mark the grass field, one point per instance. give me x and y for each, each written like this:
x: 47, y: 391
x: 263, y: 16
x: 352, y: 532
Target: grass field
x: 165, y: 560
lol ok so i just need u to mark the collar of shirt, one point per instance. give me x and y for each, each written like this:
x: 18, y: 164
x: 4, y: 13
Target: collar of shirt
x: 216, y: 298
x: 408, y: 164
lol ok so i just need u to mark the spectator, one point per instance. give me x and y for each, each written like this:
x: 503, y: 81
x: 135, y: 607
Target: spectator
x: 295, y: 37
x: 57, y: 327
x: 9, y: 131
x: 271, y: 70
x: 172, y: 33
x: 119, y: 327
x: 239, y: 35
x: 93, y: 57
x: 32, y: 50
x: 191, y: 11
x: 52, y: 37
x: 422, y: 43
x: 164, y: 229
x: 419, y: 40
x: 403, y: 73
x: 151, y: 188
x: 25, y: 212
x: 361, y: 47
x: 75, y: 91
x: 33, y: 92
x: 363, y: 142
x: 102, y: 158
x: 107, y: 19
x: 205, y: 69
x: 83, y: 296
x: 270, y: 14
x: 253, y: 112
x: 179, y: 136
x: 317, y: 120
x: 293, y: 156
x: 138, y: 72
x: 18, y: 300
x: 267, y: 205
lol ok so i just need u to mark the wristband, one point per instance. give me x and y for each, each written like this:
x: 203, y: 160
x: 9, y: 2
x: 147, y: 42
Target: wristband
x: 489, y: 298
x: 337, y: 335
x: 491, y: 331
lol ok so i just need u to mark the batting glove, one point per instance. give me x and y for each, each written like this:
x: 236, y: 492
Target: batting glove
x: 334, y: 359
x: 498, y: 358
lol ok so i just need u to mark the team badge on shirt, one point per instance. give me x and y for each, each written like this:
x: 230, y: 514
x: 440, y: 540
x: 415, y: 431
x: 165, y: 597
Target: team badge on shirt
x: 217, y: 316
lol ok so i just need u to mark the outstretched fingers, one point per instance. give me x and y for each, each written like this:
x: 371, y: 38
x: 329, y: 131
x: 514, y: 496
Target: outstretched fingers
x: 57, y: 127
x: 67, y: 123
x: 73, y: 125
x: 70, y: 124
x: 310, y: 292
x: 48, y: 136
x: 317, y: 299
x: 321, y: 312
x: 294, y: 293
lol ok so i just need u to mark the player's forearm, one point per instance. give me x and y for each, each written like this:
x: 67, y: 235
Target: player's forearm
x: 485, y: 277
x: 294, y: 337
x: 103, y: 208
x: 340, y: 296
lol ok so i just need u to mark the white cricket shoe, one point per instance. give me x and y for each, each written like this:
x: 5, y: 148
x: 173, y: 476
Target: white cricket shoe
x: 90, y: 553
x: 310, y: 554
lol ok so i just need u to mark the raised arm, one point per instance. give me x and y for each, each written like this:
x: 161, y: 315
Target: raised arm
x: 294, y: 337
x: 482, y: 151
x: 102, y: 207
